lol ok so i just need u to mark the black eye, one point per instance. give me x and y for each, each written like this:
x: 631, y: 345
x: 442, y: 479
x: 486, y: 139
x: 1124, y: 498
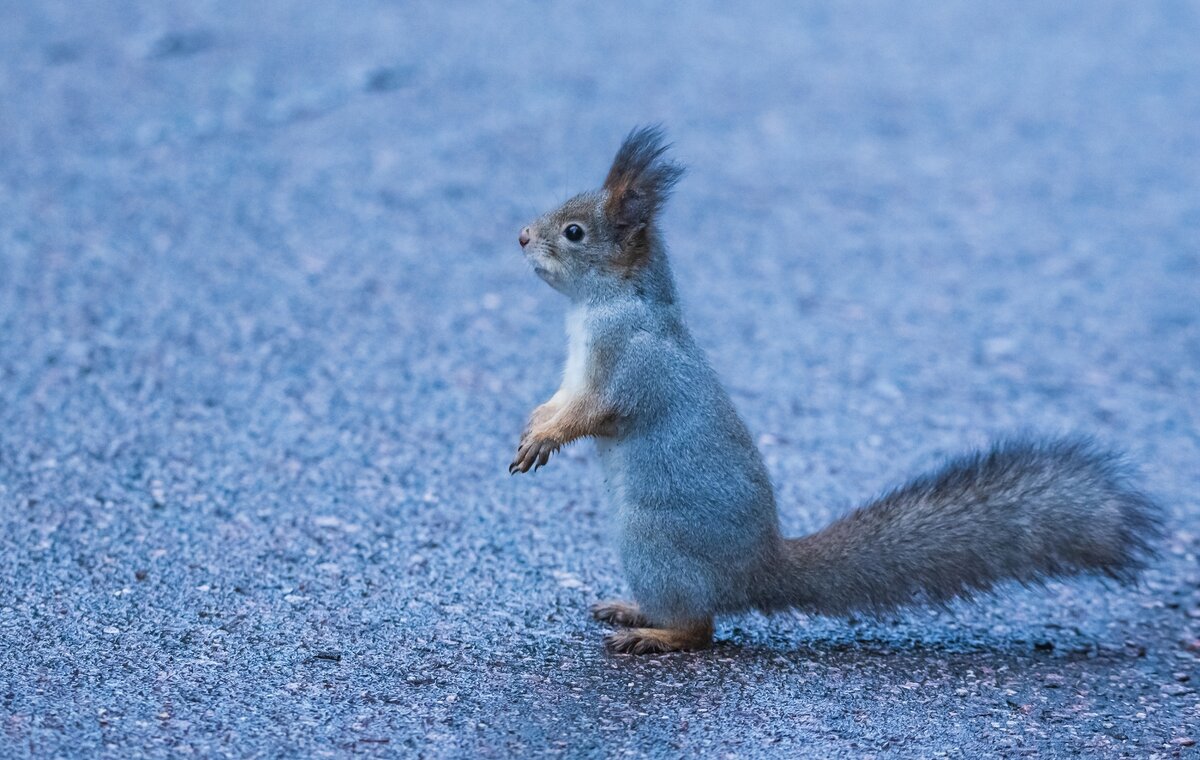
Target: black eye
x: 573, y: 232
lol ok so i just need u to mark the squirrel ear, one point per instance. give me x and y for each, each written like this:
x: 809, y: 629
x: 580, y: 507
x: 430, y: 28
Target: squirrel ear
x: 639, y: 181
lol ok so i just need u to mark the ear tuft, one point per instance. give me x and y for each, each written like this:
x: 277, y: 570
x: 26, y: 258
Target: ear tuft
x: 640, y: 180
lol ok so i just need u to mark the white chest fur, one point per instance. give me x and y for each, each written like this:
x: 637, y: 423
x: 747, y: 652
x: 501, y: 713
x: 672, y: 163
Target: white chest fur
x: 575, y: 372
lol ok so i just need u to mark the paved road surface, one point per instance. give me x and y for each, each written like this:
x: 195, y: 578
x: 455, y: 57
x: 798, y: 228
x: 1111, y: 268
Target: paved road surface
x: 266, y: 342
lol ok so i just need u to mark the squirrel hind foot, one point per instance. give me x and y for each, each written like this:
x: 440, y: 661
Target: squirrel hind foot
x: 617, y: 612
x: 660, y: 640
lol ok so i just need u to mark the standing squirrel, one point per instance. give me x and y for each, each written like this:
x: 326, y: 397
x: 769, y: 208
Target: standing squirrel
x: 699, y: 535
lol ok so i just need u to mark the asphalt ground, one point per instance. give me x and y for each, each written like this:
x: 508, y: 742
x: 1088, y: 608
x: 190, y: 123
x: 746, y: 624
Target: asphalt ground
x: 266, y: 344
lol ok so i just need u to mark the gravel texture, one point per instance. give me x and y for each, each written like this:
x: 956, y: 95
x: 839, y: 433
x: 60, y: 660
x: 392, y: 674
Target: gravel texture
x: 266, y: 343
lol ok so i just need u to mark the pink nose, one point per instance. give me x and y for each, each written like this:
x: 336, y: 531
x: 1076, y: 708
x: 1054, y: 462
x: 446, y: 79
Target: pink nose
x: 523, y: 239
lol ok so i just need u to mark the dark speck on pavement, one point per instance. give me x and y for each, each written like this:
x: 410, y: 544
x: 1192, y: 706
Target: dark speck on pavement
x: 267, y: 341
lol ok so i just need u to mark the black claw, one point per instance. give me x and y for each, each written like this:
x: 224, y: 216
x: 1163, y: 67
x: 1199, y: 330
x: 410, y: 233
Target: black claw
x: 531, y: 454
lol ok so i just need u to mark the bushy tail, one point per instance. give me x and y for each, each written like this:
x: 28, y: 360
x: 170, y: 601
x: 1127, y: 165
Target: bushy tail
x: 1023, y: 511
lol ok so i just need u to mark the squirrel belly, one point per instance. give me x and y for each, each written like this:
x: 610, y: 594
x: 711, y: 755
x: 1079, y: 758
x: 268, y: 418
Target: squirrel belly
x: 698, y: 532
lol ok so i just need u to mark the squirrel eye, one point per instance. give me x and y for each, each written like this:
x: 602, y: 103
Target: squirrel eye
x: 573, y: 232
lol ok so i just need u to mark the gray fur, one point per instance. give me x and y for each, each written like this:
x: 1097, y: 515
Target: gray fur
x: 699, y: 533
x: 1025, y: 511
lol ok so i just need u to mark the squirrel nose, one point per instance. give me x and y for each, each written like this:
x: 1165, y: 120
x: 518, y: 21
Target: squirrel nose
x: 523, y: 238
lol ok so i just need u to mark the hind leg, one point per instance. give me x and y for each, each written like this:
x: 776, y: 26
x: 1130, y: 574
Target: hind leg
x: 620, y: 613
x: 688, y: 636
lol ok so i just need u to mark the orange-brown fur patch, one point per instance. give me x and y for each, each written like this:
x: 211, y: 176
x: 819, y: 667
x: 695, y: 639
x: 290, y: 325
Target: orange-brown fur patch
x: 634, y: 252
x: 657, y: 640
x: 575, y: 418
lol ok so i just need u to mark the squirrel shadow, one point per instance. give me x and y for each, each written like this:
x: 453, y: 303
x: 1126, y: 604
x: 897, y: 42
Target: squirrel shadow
x: 905, y: 653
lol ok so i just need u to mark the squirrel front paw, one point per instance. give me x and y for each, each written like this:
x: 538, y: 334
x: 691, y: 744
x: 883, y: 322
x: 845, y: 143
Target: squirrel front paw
x: 539, y: 417
x: 533, y: 452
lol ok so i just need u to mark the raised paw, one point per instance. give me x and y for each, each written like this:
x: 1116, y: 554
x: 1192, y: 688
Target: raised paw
x: 617, y: 612
x: 539, y: 417
x: 533, y: 452
x: 659, y: 640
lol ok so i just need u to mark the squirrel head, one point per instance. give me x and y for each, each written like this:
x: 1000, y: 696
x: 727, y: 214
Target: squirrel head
x: 605, y: 240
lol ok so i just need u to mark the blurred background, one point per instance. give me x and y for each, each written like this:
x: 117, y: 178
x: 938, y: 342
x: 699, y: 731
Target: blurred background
x: 267, y: 341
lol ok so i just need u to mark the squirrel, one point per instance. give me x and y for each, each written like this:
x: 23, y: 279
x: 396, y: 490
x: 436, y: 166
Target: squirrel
x: 699, y: 534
